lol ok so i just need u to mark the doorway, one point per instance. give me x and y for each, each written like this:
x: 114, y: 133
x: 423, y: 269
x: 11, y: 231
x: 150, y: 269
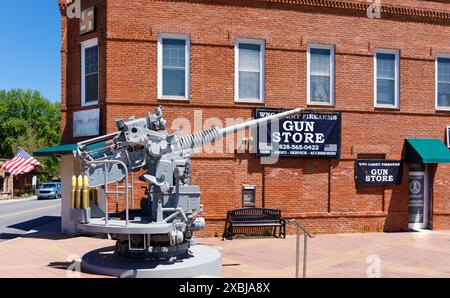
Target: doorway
x: 419, y: 197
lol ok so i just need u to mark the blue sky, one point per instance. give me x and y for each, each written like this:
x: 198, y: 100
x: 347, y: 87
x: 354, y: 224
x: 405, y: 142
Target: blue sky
x: 30, y: 47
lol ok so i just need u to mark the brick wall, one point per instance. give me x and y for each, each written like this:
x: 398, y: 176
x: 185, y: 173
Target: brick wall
x: 321, y: 192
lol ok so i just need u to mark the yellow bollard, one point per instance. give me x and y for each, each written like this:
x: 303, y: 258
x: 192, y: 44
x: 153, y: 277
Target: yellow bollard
x: 78, y: 193
x: 85, y: 200
x: 74, y: 186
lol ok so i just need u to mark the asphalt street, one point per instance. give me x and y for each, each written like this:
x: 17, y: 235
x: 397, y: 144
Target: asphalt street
x: 18, y: 218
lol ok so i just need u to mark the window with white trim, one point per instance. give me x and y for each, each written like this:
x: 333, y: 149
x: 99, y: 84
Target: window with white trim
x: 386, y: 79
x: 443, y: 82
x: 320, y: 75
x: 89, y: 72
x: 173, y: 66
x: 250, y: 70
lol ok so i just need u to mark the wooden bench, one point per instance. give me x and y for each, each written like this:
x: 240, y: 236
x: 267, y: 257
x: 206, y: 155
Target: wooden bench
x: 249, y: 221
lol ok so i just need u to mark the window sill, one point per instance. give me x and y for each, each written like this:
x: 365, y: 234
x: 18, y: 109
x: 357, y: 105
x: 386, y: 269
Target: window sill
x: 320, y: 104
x: 177, y: 98
x: 386, y: 107
x: 443, y: 109
x: 251, y: 101
x: 82, y: 138
x: 89, y: 104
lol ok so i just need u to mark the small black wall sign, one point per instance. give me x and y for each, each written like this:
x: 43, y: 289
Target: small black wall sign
x: 378, y: 172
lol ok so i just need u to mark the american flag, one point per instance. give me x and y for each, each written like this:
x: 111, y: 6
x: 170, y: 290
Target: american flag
x: 22, y: 163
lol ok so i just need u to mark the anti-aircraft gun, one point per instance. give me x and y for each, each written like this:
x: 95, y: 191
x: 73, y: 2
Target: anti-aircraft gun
x: 162, y: 228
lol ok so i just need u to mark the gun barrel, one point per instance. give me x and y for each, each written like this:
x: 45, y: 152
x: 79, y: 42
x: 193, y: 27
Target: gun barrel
x: 199, y: 139
x: 252, y: 123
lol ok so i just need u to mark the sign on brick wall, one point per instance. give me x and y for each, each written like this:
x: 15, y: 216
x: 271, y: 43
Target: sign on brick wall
x: 378, y: 172
x: 86, y: 123
x: 309, y: 134
x: 87, y: 20
x: 416, y: 198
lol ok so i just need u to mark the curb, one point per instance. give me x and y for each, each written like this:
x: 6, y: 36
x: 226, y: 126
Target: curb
x: 23, y: 236
x: 34, y: 198
x: 10, y: 240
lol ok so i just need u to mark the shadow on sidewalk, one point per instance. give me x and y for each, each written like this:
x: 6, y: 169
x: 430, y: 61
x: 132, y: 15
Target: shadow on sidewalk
x: 8, y: 236
x: 45, y: 227
x: 60, y: 265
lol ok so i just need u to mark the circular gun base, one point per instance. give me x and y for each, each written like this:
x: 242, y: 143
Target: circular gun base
x: 178, y: 251
x: 200, y: 261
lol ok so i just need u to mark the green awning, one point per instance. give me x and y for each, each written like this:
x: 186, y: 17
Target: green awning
x: 426, y: 151
x: 57, y: 151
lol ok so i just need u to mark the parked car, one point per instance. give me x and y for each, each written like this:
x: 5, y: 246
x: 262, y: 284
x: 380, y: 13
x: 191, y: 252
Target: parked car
x: 51, y: 190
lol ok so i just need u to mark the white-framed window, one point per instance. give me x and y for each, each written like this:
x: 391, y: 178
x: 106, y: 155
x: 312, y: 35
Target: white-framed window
x: 387, y: 78
x: 249, y: 75
x: 173, y: 66
x: 320, y: 74
x: 443, y: 82
x: 89, y: 72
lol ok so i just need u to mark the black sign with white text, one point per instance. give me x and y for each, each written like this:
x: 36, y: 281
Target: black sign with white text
x: 308, y: 134
x: 378, y: 172
x: 416, y: 198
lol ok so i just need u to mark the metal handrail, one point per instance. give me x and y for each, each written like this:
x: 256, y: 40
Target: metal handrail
x: 130, y: 186
x: 106, y: 162
x: 306, y: 234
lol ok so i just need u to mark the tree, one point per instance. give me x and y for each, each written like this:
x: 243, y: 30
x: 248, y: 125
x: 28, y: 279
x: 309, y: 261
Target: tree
x: 32, y: 122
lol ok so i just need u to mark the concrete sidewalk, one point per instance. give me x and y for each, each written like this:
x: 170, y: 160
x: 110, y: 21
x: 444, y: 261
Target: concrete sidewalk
x: 45, y: 253
x: 425, y: 254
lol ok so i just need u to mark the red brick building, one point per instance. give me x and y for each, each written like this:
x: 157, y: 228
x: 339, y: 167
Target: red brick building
x: 388, y: 75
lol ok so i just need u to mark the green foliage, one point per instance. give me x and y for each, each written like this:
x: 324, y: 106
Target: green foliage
x: 32, y: 122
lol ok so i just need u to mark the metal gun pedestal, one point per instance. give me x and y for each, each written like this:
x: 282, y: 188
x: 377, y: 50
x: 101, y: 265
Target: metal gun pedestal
x: 200, y: 261
x: 185, y: 260
x: 157, y: 240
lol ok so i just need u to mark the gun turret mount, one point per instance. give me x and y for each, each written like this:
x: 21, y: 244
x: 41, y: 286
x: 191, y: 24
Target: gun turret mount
x: 162, y: 229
